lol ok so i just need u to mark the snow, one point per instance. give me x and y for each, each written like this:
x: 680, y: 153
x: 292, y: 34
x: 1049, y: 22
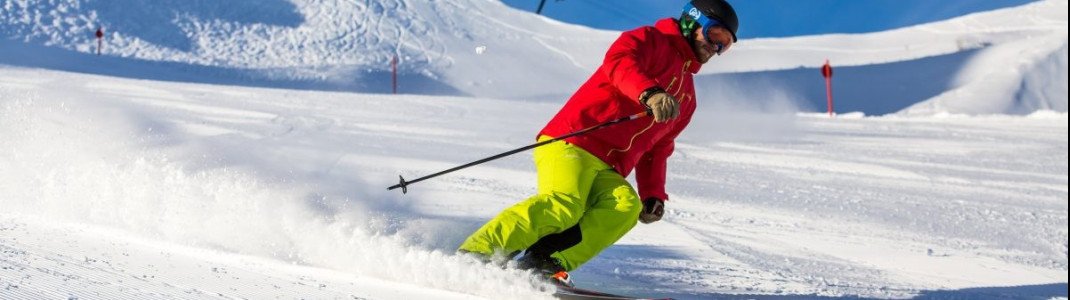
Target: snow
x: 243, y: 151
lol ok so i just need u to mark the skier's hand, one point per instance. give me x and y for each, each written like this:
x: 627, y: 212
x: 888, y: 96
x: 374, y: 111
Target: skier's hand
x: 663, y: 107
x: 653, y: 209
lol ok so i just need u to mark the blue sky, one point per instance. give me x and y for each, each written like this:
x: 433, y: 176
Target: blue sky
x: 771, y: 18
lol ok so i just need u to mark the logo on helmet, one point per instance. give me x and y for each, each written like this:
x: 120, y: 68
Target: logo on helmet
x: 694, y: 13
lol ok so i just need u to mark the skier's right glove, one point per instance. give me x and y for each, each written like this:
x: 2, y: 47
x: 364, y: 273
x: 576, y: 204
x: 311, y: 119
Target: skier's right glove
x: 653, y: 209
x: 662, y: 106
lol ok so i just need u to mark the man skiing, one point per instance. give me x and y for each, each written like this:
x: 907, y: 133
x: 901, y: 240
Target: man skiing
x: 584, y: 203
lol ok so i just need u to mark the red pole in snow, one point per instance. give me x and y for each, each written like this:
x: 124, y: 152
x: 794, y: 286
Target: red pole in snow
x: 394, y: 76
x: 100, y: 39
x: 826, y: 71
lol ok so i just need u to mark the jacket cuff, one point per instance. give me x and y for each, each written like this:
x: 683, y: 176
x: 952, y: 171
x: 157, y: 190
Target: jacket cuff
x: 647, y: 93
x: 660, y: 195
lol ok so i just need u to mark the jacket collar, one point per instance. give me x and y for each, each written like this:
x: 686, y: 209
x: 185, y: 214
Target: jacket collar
x: 670, y: 27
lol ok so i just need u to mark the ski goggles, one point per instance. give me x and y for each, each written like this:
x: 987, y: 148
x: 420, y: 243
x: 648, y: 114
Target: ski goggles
x: 707, y: 23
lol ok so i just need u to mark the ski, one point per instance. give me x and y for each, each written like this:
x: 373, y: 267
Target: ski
x: 572, y: 293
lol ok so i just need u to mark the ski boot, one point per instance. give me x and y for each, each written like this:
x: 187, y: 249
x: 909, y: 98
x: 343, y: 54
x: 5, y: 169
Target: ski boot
x: 546, y: 267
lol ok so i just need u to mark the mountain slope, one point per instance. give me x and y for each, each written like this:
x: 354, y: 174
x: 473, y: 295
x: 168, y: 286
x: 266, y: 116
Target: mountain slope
x: 486, y: 49
x: 348, y: 45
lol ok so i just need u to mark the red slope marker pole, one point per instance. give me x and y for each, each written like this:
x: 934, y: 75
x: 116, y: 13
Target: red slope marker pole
x: 100, y: 39
x: 826, y: 71
x: 394, y: 74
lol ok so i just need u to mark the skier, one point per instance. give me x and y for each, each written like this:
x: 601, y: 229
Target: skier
x: 584, y: 203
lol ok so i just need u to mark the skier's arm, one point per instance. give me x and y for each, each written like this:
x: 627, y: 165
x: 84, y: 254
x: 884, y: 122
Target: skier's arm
x: 624, y: 64
x: 650, y: 171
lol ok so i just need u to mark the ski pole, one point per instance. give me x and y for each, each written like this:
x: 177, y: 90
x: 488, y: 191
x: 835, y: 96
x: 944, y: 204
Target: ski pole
x: 403, y: 184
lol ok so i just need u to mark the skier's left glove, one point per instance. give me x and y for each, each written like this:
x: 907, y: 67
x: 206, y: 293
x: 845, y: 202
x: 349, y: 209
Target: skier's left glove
x: 653, y: 209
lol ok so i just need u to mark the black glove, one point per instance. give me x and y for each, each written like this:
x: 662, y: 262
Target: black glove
x: 653, y: 209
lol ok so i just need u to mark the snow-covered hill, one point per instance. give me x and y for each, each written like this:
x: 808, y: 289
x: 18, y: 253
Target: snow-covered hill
x: 173, y: 166
x: 1011, y: 60
x: 1008, y: 61
x: 337, y: 45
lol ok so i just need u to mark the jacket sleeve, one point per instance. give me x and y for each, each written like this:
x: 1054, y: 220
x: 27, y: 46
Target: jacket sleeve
x: 650, y: 171
x: 624, y: 65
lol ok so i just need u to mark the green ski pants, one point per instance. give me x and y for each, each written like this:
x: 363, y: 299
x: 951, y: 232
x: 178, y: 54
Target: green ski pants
x: 574, y: 187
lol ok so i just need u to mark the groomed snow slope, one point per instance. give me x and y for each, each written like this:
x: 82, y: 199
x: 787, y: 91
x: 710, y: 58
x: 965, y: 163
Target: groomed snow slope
x: 117, y: 172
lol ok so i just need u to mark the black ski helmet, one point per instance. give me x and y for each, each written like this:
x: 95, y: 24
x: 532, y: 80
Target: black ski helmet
x: 718, y: 10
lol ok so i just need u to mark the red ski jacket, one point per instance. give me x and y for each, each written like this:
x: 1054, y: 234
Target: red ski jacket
x: 639, y: 59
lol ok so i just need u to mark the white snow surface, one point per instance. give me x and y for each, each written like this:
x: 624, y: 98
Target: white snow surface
x: 234, y: 149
